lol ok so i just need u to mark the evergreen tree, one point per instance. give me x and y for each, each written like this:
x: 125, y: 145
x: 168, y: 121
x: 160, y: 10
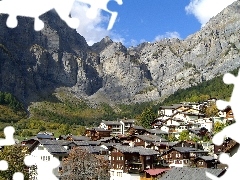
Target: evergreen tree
x: 146, y: 118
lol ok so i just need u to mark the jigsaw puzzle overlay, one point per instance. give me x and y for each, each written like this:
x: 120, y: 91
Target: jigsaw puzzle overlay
x: 44, y: 168
x: 36, y: 8
x: 8, y: 141
x: 231, y: 131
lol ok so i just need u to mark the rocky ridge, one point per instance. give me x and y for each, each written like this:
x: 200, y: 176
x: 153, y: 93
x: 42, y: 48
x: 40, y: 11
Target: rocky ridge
x: 36, y: 64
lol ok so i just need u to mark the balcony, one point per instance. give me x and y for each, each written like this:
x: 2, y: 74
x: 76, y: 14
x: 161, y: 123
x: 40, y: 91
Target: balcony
x: 134, y: 171
x: 137, y: 162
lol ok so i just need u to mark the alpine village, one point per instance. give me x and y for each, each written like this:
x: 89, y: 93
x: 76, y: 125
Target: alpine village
x: 110, y: 112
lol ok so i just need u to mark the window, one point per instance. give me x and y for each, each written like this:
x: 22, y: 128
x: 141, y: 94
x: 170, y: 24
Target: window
x: 119, y: 174
x: 48, y: 158
x: 178, y: 155
x: 60, y: 168
x: 178, y: 162
x: 148, y: 157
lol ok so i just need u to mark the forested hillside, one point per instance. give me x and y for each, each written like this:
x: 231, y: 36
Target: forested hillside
x: 67, y: 114
x: 214, y: 88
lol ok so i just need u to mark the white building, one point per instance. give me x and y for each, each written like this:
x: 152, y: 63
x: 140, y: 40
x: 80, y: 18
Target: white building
x: 45, y: 150
x: 117, y: 174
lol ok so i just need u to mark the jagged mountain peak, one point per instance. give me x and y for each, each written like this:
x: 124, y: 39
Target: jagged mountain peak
x: 35, y: 64
x: 99, y: 46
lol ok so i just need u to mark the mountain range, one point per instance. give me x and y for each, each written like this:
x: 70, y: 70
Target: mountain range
x: 36, y: 64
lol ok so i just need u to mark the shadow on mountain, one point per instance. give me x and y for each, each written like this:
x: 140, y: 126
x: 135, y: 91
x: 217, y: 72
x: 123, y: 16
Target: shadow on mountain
x: 33, y: 64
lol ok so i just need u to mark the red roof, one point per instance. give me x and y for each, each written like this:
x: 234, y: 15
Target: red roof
x: 154, y: 172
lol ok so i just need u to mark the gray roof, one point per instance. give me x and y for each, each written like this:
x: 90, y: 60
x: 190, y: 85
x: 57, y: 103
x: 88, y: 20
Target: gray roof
x: 81, y: 143
x: 151, y: 138
x: 93, y: 149
x: 195, y: 130
x: 95, y: 143
x: 111, y: 122
x: 77, y: 143
x: 98, y: 129
x: 157, y: 131
x: 166, y: 143
x: 48, y: 141
x: 173, y: 106
x: 105, y: 138
x: 138, y: 149
x: 186, y: 173
x: 110, y: 144
x: 45, y: 136
x: 138, y: 127
x: 55, y: 148
x: 128, y: 120
x: 64, y: 142
x: 80, y: 138
x: 206, y: 158
x: 184, y: 149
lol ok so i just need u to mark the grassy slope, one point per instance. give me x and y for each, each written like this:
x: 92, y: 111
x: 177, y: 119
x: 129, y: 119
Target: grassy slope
x: 64, y: 108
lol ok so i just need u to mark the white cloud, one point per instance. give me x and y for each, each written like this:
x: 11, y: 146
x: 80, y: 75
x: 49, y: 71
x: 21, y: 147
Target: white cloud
x: 93, y: 30
x: 168, y: 35
x: 203, y: 10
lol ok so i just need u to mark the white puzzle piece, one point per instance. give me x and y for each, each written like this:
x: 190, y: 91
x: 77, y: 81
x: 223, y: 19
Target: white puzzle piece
x: 36, y: 8
x: 231, y: 131
x: 44, y: 168
x: 102, y: 5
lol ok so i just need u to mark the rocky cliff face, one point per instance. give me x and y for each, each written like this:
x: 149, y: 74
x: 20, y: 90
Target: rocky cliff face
x: 34, y: 64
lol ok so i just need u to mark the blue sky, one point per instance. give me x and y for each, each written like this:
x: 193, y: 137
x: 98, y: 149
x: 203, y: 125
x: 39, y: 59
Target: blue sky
x: 148, y: 20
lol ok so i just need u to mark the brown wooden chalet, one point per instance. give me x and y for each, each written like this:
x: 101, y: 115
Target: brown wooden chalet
x: 74, y: 138
x: 30, y: 143
x: 133, y: 159
x: 110, y: 140
x: 157, y: 132
x: 193, y: 115
x: 97, y: 133
x: 199, y: 132
x: 190, y: 144
x: 169, y: 110
x: 158, y: 122
x: 205, y: 162
x: 227, y: 113
x: 127, y: 124
x: 162, y: 147
x: 146, y: 141
x: 182, y: 155
x: 228, y: 146
x: 136, y: 130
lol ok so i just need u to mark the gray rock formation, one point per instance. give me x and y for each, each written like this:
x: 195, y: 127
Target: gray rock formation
x: 34, y: 64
